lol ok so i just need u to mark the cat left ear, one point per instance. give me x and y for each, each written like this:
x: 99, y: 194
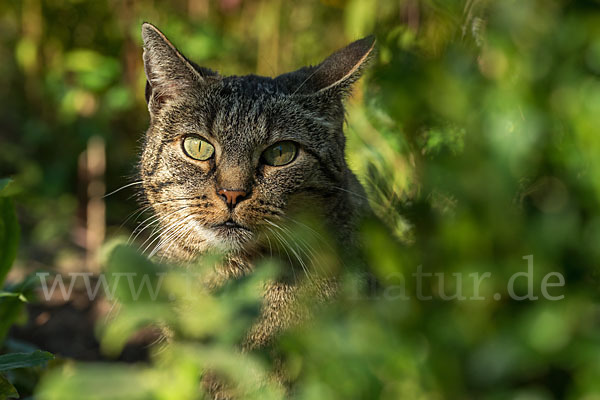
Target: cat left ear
x: 168, y: 72
x: 338, y: 71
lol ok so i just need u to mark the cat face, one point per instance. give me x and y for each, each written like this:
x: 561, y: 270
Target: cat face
x: 224, y: 157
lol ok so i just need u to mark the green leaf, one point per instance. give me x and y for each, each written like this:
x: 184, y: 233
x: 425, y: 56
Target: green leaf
x: 4, y: 182
x: 24, y: 360
x: 9, y: 235
x: 136, y: 278
x: 7, y: 390
x: 11, y: 309
x: 109, y: 382
x: 18, y: 295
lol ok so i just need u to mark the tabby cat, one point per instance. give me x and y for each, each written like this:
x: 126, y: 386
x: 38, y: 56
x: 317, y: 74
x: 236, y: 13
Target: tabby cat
x: 227, y: 156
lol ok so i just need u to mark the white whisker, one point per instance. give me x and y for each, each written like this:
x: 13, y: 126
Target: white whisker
x: 166, y: 234
x: 172, y: 237
x: 292, y: 249
x: 121, y: 188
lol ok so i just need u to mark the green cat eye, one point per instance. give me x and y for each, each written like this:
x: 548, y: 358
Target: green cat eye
x: 197, y: 148
x: 279, y: 154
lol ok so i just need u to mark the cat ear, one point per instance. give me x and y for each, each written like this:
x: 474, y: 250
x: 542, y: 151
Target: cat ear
x: 337, y: 72
x: 168, y: 72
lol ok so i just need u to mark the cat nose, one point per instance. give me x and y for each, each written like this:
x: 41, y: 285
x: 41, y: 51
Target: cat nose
x: 231, y: 197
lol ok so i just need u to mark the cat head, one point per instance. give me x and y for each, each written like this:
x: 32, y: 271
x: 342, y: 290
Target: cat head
x: 225, y: 156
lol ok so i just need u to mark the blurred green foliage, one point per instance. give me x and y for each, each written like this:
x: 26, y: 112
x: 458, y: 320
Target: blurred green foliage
x: 207, y: 327
x: 9, y: 230
x: 12, y: 298
x: 475, y: 134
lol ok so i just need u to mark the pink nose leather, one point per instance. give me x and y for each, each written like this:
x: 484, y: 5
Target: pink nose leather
x: 231, y: 197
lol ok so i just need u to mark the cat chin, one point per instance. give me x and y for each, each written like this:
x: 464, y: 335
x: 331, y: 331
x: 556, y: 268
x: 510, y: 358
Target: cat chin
x: 228, y: 246
x: 226, y: 240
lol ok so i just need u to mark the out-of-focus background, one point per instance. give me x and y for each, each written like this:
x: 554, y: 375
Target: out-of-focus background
x: 475, y: 133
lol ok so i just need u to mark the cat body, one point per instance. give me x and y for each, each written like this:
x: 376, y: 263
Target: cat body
x: 226, y: 159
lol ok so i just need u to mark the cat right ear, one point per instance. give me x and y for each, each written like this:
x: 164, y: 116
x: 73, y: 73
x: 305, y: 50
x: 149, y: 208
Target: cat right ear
x: 168, y: 72
x: 336, y: 73
x: 341, y: 69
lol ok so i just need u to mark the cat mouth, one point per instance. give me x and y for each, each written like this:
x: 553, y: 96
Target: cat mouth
x: 231, y: 235
x: 231, y: 225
